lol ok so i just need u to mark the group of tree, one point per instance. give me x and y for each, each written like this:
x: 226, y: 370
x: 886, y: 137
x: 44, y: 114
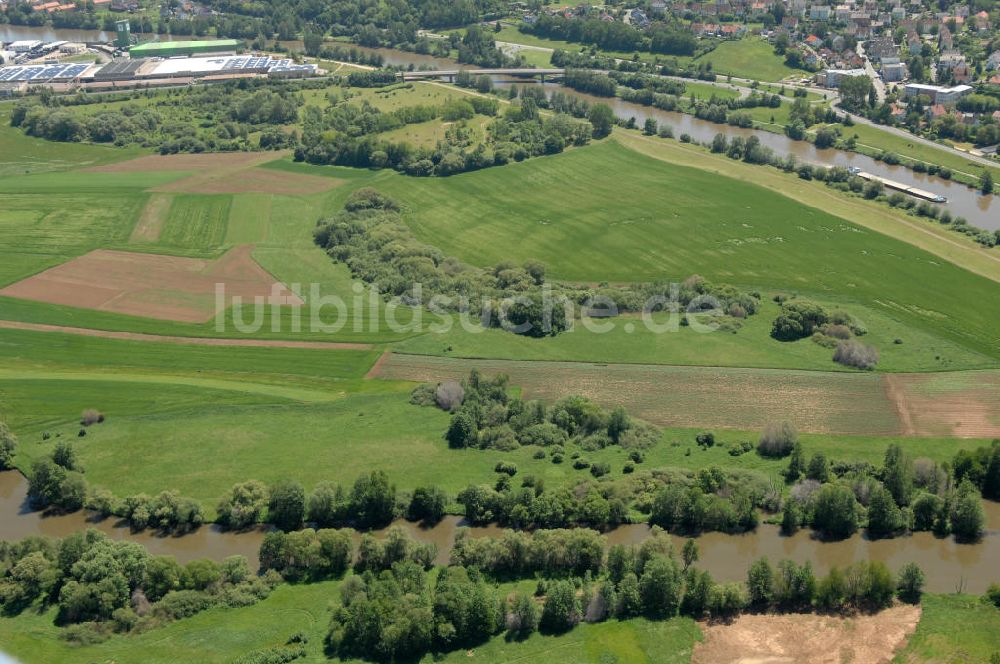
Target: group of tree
x: 102, y: 586
x: 835, y: 329
x: 398, y: 613
x: 204, y: 118
x: 614, y: 35
x: 838, y: 498
x: 347, y: 135
x: 488, y: 417
x: 370, y: 503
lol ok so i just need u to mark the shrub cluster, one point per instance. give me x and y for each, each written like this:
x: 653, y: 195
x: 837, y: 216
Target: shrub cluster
x: 102, y: 586
x: 490, y: 418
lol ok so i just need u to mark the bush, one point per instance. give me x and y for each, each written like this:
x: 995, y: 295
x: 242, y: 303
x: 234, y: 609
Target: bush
x: 449, y: 395
x: 508, y: 467
x: 600, y: 469
x: 853, y: 353
x: 90, y: 417
x: 777, y: 440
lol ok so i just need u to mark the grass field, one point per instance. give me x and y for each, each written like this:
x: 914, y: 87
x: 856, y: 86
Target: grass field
x: 962, y: 403
x: 954, y: 629
x: 219, y: 635
x: 878, y: 140
x: 20, y: 154
x: 196, y: 225
x: 630, y: 341
x: 749, y: 58
x: 750, y: 237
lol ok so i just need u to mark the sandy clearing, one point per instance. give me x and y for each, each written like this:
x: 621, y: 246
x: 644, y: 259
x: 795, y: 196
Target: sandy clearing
x: 808, y: 638
x: 194, y: 341
x: 154, y: 286
x: 154, y: 215
x: 254, y: 180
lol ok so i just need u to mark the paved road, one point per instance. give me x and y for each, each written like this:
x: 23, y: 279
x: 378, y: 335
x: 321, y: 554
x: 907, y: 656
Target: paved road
x: 902, y: 133
x: 870, y: 69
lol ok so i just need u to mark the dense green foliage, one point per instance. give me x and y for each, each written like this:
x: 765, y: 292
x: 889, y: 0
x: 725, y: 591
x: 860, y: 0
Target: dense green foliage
x: 346, y: 135
x: 101, y: 585
x: 199, y: 119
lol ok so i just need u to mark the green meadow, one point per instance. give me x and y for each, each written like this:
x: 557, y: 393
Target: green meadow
x: 668, y: 222
x: 954, y: 628
x: 749, y: 58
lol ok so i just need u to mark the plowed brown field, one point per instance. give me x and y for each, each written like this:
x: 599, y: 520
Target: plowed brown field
x: 153, y: 286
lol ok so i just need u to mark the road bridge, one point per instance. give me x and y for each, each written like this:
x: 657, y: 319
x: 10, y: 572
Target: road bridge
x: 450, y: 74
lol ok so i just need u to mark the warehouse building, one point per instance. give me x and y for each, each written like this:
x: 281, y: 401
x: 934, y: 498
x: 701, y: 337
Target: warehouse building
x: 173, y: 49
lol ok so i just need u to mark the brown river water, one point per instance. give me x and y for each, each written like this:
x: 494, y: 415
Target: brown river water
x: 948, y: 565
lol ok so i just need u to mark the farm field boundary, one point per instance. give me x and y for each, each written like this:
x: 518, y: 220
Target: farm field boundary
x: 194, y: 341
x: 961, y: 404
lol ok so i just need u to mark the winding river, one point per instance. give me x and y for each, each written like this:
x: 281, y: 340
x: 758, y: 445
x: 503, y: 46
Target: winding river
x: 949, y: 566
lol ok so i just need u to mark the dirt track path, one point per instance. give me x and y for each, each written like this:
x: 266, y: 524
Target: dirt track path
x: 193, y: 341
x: 896, y: 395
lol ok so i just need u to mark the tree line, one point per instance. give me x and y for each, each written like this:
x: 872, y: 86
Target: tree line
x: 403, y: 613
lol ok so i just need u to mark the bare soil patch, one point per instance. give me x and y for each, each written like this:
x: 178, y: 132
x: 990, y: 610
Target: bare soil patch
x: 148, y: 228
x: 152, y: 286
x: 254, y: 180
x: 961, y: 405
x: 808, y: 638
x: 194, y: 341
x: 738, y: 398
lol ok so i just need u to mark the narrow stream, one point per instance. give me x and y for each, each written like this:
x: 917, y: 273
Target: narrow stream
x: 948, y: 565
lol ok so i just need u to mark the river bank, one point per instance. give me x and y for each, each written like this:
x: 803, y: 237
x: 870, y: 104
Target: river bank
x: 949, y: 565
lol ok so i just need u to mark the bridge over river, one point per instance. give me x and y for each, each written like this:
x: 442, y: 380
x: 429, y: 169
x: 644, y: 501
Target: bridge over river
x: 450, y: 74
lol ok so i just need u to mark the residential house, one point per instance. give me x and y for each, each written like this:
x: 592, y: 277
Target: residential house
x: 658, y: 7
x: 893, y: 70
x: 913, y: 42
x: 982, y: 21
x: 898, y: 14
x: 733, y: 31
x: 993, y: 62
x: 819, y: 13
x: 812, y: 41
x: 831, y: 78
x: 638, y: 18
x: 945, y: 41
x: 950, y: 60
x: 882, y: 47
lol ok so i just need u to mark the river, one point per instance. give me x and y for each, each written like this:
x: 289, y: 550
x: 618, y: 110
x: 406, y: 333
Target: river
x: 947, y: 564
